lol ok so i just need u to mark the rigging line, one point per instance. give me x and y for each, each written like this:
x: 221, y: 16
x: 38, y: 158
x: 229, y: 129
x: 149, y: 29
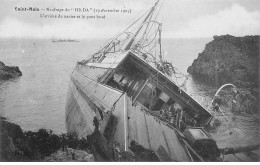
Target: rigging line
x: 151, y: 40
x: 109, y: 42
x: 114, y: 51
x: 153, y: 22
x: 127, y: 38
x: 143, y: 52
x: 136, y: 21
x: 180, y: 72
x: 146, y: 37
x: 176, y: 80
x: 145, y: 31
x: 150, y: 50
x: 238, y: 158
x: 118, y: 43
x: 153, y: 32
x: 156, y: 77
x: 147, y: 51
x: 149, y: 30
x: 154, y: 19
x: 155, y: 50
x: 152, y: 61
x: 104, y: 45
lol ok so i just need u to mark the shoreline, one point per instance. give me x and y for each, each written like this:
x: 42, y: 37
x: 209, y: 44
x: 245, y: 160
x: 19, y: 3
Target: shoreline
x: 43, y: 145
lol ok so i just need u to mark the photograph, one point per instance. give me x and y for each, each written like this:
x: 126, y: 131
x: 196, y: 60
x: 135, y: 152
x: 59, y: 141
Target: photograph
x: 129, y: 80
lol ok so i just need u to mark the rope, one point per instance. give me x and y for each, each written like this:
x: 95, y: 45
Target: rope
x: 238, y: 158
x: 136, y: 20
x: 150, y: 50
x: 145, y: 31
x: 152, y: 39
x: 154, y: 22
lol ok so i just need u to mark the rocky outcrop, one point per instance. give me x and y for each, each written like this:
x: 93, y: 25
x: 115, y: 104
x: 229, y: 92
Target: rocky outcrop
x: 245, y: 101
x: 13, y: 130
x: 8, y: 132
x: 8, y: 72
x: 16, y: 145
x: 7, y: 147
x: 229, y: 59
x: 70, y: 154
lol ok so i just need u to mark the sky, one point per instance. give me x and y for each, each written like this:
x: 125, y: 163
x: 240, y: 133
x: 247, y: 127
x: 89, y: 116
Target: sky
x: 180, y: 18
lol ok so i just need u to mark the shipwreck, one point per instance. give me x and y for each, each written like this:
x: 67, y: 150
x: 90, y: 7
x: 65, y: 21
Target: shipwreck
x: 128, y: 88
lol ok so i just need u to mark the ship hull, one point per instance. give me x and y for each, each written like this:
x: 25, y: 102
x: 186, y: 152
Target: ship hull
x: 130, y: 121
x: 134, y: 123
x: 86, y: 99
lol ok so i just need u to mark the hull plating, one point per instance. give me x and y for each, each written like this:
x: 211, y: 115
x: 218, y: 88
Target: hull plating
x: 87, y: 99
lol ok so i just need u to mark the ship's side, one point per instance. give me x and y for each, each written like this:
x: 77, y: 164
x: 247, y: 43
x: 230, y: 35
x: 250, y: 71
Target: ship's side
x: 132, y: 123
x: 86, y: 99
x: 127, y: 87
x: 90, y: 96
x: 126, y: 94
x: 136, y: 116
x: 122, y: 88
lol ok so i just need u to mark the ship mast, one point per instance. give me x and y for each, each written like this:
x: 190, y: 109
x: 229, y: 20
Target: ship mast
x: 129, y: 44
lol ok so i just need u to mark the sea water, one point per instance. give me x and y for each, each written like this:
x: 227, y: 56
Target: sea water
x: 37, y: 99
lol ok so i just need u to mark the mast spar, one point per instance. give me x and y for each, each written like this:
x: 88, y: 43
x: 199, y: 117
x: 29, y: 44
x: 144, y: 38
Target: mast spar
x: 129, y: 44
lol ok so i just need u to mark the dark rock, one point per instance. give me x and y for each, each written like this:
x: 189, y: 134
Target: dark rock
x: 2, y: 118
x: 7, y: 148
x: 8, y: 72
x: 100, y: 143
x: 16, y: 145
x: 245, y: 101
x: 229, y: 59
x: 13, y: 130
x: 143, y: 154
x: 8, y: 133
x: 70, y: 155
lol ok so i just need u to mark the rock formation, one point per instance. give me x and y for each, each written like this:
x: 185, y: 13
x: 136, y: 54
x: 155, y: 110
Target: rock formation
x: 8, y: 133
x: 43, y: 145
x: 8, y: 72
x: 229, y: 59
x: 70, y: 155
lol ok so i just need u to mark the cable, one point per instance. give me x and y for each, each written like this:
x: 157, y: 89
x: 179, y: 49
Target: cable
x: 136, y: 20
x: 154, y: 19
x: 238, y: 158
x: 151, y: 40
